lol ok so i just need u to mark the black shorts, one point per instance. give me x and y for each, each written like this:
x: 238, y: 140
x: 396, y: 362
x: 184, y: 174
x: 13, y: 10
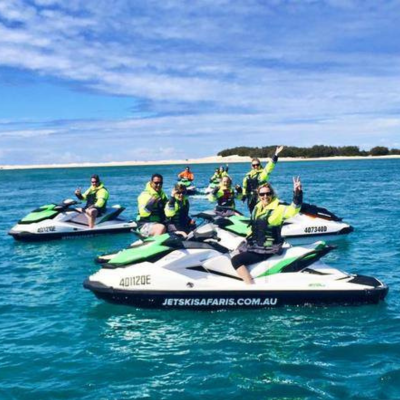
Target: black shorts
x: 248, y: 258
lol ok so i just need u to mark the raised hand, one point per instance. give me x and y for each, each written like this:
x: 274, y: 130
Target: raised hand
x: 278, y: 150
x: 297, y: 184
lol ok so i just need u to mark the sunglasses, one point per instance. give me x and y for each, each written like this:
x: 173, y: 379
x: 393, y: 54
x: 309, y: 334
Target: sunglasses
x: 261, y: 194
x: 95, y: 182
x: 178, y: 193
x: 157, y: 183
x: 255, y: 165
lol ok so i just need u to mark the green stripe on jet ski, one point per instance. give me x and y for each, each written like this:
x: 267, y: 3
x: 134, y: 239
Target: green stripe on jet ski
x: 39, y: 214
x: 278, y: 267
x: 149, y: 248
x: 240, y: 225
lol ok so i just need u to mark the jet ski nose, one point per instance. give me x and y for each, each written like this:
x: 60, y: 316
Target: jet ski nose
x: 345, y: 230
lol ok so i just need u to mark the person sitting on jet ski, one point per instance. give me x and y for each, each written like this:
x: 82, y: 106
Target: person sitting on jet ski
x: 216, y: 178
x: 96, y: 199
x: 256, y: 177
x: 264, y: 239
x: 186, y: 174
x: 177, y: 212
x: 224, y: 170
x: 225, y: 195
x: 151, y: 204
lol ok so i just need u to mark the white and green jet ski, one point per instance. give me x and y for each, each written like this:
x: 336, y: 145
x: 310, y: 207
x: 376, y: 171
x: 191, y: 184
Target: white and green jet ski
x: 311, y: 224
x: 212, y: 186
x: 56, y: 221
x: 190, y: 188
x: 168, y: 272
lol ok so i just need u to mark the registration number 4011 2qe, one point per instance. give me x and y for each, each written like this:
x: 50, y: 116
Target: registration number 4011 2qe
x: 315, y: 229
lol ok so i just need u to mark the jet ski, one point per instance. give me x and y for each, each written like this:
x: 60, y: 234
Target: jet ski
x: 168, y: 272
x: 212, y: 186
x: 311, y: 224
x: 190, y: 188
x: 56, y: 221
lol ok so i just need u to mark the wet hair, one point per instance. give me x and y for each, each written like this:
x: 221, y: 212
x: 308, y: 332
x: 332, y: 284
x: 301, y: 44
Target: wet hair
x: 156, y: 176
x: 95, y: 177
x: 255, y: 159
x: 266, y: 185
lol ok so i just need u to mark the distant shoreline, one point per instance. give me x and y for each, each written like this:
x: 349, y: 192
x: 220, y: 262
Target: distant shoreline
x: 205, y: 160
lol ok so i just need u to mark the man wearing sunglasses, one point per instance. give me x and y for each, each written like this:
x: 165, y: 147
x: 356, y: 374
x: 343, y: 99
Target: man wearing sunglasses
x: 256, y: 177
x: 96, y: 199
x: 151, y: 204
x: 264, y: 238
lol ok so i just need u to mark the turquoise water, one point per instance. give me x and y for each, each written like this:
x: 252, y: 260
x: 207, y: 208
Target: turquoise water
x: 57, y: 341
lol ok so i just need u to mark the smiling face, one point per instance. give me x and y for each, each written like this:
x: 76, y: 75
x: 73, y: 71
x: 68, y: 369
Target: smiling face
x: 156, y: 183
x: 95, y: 181
x: 226, y: 182
x: 255, y: 163
x: 265, y: 194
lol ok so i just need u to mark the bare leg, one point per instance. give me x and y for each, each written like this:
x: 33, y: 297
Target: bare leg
x: 91, y: 214
x: 158, y: 229
x: 245, y: 275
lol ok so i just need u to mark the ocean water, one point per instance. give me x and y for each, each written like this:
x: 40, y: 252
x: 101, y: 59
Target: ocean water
x: 57, y: 341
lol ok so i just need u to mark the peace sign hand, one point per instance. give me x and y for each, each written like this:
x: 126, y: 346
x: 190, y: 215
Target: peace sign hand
x: 278, y: 150
x: 297, y: 184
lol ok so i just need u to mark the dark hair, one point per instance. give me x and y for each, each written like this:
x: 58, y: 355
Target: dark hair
x: 156, y: 176
x: 95, y: 177
x: 266, y: 185
x: 180, y: 187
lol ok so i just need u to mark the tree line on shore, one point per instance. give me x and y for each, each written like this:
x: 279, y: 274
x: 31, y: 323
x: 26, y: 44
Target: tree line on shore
x: 309, y: 152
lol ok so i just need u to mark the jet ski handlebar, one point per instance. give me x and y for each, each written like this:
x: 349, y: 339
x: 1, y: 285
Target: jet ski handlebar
x: 66, y: 204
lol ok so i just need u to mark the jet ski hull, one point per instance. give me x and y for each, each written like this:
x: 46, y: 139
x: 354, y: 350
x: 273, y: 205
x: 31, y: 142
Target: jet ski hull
x: 25, y: 236
x: 50, y: 223
x: 237, y: 299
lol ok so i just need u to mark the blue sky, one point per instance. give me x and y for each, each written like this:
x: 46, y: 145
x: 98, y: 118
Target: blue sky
x: 94, y: 80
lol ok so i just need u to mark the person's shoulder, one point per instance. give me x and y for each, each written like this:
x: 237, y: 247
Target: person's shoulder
x: 143, y: 193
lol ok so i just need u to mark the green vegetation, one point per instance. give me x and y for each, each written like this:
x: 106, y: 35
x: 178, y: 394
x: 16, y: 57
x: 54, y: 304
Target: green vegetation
x: 309, y: 152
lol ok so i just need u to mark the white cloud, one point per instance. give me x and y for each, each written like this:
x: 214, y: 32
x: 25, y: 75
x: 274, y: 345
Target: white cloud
x: 24, y: 133
x: 244, y: 70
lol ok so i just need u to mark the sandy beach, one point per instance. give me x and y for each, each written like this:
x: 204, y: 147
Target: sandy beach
x: 205, y: 160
